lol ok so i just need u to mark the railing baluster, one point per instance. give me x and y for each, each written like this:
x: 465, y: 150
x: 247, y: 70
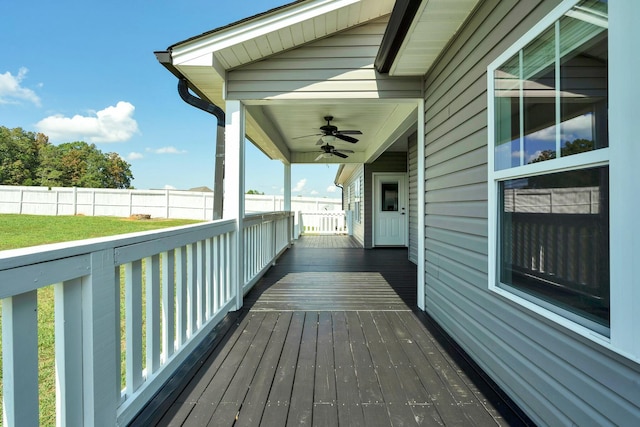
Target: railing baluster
x: 217, y: 272
x: 153, y: 313
x: 181, y: 295
x: 68, y: 350
x: 200, y: 305
x: 20, y: 359
x: 168, y: 304
x: 192, y: 283
x: 208, y: 263
x: 133, y: 322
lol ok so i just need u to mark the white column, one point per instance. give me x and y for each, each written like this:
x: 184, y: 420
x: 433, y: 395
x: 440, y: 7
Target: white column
x: 421, y: 207
x: 287, y: 187
x: 234, y: 188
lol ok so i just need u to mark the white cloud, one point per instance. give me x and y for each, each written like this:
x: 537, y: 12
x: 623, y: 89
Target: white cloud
x: 166, y: 150
x: 578, y: 127
x: 534, y: 156
x: 169, y: 187
x: 11, y: 90
x: 314, y: 192
x: 112, y: 124
x: 332, y: 189
x: 134, y: 156
x: 300, y: 185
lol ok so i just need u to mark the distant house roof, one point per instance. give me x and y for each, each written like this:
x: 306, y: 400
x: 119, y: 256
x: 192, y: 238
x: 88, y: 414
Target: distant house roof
x: 203, y: 189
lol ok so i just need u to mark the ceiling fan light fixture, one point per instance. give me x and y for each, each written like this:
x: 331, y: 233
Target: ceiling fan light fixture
x: 328, y: 139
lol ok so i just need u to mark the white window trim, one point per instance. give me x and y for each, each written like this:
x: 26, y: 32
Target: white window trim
x: 623, y: 160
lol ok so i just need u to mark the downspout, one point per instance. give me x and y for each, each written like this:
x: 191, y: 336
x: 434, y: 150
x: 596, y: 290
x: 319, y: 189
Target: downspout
x: 164, y: 57
x: 218, y: 184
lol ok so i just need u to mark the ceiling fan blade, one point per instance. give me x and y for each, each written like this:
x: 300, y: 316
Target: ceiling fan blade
x: 346, y: 138
x: 350, y: 132
x: 339, y: 154
x: 319, y: 157
x: 307, y: 136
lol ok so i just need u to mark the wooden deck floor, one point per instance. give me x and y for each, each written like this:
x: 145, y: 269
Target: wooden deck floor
x: 329, y: 337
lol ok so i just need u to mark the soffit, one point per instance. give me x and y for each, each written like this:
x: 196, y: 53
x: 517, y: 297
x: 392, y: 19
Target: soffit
x: 435, y: 24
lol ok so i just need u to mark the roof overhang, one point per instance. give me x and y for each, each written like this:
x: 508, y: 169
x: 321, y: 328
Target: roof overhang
x: 418, y: 32
x: 211, y: 60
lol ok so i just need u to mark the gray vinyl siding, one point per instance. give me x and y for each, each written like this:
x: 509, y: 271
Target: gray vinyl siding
x: 339, y: 66
x: 412, y: 159
x: 554, y: 375
x: 387, y: 162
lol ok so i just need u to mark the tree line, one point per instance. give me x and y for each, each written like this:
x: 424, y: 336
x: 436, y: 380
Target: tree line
x: 28, y: 158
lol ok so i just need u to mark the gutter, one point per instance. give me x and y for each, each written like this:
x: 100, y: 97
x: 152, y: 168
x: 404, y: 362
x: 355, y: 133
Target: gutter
x: 164, y: 57
x: 403, y: 14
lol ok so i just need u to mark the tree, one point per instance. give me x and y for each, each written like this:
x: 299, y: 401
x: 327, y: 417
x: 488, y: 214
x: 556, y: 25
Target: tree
x: 19, y: 152
x: 27, y: 158
x: 118, y: 172
x: 255, y: 192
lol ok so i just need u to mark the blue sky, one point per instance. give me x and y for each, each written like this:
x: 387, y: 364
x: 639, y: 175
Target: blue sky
x: 85, y: 71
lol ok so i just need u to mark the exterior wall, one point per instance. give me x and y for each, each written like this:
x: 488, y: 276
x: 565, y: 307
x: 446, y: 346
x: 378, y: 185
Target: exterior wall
x: 557, y: 377
x: 349, y: 198
x: 412, y: 159
x: 340, y: 66
x: 387, y: 162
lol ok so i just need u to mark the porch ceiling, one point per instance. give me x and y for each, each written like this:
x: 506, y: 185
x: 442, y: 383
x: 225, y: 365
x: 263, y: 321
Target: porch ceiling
x: 278, y: 117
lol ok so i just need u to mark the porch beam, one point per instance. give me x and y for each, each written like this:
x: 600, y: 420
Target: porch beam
x: 234, y: 189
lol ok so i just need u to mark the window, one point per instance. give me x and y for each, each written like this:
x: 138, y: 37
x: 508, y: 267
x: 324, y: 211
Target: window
x: 357, y: 205
x: 549, y: 167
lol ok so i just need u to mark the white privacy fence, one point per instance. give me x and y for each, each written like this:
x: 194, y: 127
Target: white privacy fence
x: 124, y: 203
x: 175, y: 286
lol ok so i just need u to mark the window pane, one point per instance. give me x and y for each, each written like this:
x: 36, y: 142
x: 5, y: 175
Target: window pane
x: 389, y: 197
x: 539, y: 65
x: 507, y: 114
x: 583, y: 84
x: 554, y: 241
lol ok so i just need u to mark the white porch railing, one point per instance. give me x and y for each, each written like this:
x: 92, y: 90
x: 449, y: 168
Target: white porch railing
x: 175, y: 286
x: 268, y: 235
x: 323, y: 222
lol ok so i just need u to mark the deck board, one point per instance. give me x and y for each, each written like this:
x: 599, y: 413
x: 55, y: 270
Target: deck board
x: 332, y: 338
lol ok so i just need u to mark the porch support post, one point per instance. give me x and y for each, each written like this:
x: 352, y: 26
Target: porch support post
x: 287, y: 187
x: 421, y: 207
x: 287, y: 202
x: 234, y: 190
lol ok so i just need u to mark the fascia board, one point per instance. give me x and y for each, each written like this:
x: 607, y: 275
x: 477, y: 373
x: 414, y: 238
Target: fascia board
x: 255, y: 29
x: 405, y: 42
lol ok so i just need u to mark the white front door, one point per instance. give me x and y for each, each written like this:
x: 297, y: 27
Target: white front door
x: 390, y: 213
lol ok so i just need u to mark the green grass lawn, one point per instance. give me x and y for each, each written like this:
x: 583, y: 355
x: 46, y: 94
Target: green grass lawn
x: 18, y: 231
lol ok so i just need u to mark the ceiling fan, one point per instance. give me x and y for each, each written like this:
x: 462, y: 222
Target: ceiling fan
x: 329, y: 150
x: 329, y: 133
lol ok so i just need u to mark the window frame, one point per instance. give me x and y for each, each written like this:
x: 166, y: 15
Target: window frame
x: 590, y: 159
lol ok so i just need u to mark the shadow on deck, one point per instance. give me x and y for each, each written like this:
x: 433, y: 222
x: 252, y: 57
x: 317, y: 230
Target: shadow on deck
x: 331, y: 336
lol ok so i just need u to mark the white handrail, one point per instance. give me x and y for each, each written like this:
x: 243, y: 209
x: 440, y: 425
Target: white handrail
x: 179, y: 278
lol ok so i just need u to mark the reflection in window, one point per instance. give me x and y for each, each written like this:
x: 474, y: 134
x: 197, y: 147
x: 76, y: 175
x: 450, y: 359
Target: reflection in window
x: 538, y: 116
x: 554, y: 242
x: 539, y: 110
x: 389, y: 197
